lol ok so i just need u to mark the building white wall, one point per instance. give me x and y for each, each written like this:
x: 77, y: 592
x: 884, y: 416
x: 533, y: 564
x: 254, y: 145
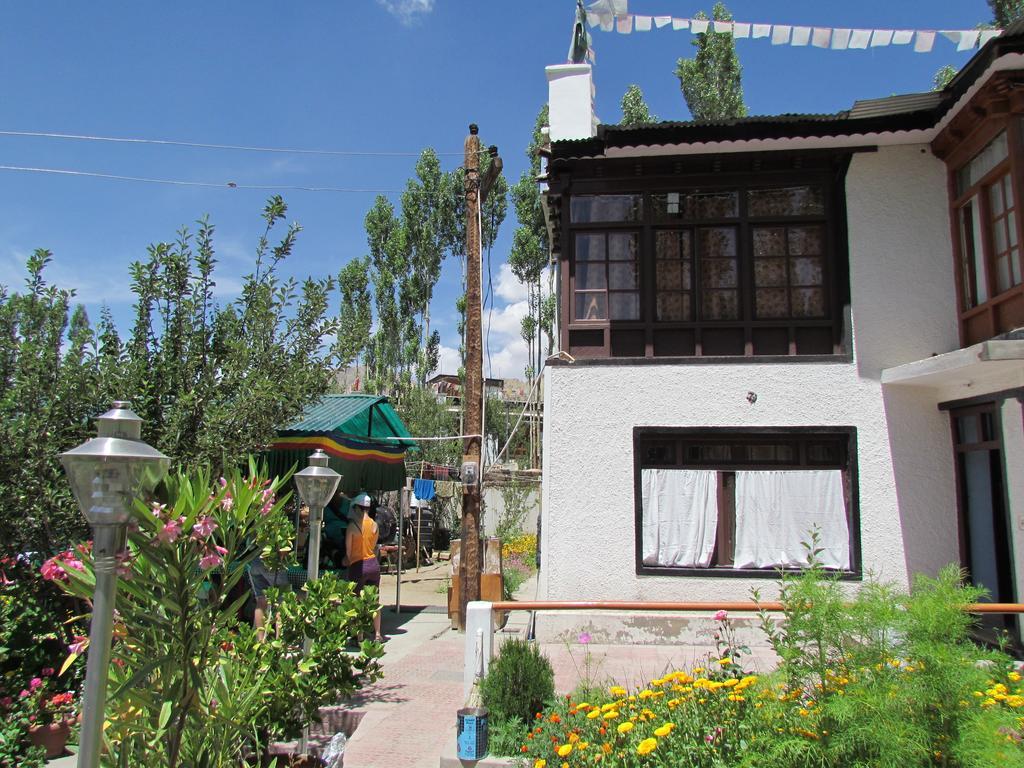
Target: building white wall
x: 1013, y: 462
x: 903, y: 309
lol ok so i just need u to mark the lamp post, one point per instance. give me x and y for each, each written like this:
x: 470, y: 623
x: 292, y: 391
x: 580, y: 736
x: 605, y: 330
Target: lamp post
x: 106, y: 473
x: 316, y: 485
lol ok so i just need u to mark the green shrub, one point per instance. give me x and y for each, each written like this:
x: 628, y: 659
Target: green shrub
x: 519, y: 683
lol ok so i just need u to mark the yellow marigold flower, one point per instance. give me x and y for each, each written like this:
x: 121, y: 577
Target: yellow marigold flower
x: 647, y: 746
x: 583, y: 745
x: 573, y: 738
x: 658, y: 682
x: 732, y: 681
x: 606, y: 748
x: 594, y: 713
x: 698, y: 670
x: 646, y: 693
x: 539, y: 763
x: 725, y: 661
x: 672, y: 703
x: 664, y: 730
x: 617, y: 690
x: 625, y: 727
x: 565, y: 765
x: 611, y: 715
x: 564, y: 750
x: 736, y: 697
x: 1014, y: 677
x: 583, y: 705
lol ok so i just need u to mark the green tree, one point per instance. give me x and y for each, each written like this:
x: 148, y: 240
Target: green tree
x: 712, y: 81
x: 356, y: 313
x: 1005, y: 12
x: 634, y: 109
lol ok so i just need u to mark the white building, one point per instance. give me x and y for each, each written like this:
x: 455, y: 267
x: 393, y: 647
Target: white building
x: 779, y: 323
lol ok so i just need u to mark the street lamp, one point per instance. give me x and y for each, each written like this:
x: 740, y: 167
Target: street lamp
x: 316, y: 485
x: 106, y: 473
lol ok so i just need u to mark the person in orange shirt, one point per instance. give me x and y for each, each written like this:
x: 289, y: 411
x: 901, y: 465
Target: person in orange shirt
x: 361, y: 552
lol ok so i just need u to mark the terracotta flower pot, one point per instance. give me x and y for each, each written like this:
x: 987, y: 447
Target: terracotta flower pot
x: 52, y: 738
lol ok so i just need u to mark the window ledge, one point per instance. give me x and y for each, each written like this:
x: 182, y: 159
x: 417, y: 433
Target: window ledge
x: 728, y: 572
x: 704, y: 360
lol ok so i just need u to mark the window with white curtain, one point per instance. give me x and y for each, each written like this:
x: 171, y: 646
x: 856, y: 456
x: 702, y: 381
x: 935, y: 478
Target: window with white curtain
x: 740, y: 501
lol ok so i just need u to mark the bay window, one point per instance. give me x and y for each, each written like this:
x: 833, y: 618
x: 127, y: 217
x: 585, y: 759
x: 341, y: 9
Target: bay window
x: 744, y: 502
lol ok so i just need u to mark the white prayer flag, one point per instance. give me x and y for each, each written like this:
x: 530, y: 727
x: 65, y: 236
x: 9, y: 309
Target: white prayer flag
x: 698, y: 26
x: 740, y: 29
x: 661, y: 21
x: 953, y: 35
x: 881, y: 37
x: 989, y: 34
x: 821, y: 36
x: 678, y: 24
x: 607, y: 23
x: 761, y: 30
x: 625, y: 24
x: 902, y: 36
x: 723, y: 26
x: 925, y: 42
x: 968, y: 40
x: 841, y: 39
x: 860, y: 38
x: 801, y: 35
x: 780, y: 34
x: 643, y: 23
x: 593, y: 18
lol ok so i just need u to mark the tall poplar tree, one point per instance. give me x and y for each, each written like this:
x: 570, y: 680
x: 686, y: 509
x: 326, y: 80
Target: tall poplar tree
x: 634, y: 109
x: 712, y: 81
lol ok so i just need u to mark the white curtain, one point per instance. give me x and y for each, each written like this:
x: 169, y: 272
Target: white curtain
x: 776, y: 511
x: 680, y: 516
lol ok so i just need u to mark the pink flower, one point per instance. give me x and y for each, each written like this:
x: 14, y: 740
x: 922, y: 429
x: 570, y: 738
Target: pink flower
x: 203, y: 527
x: 79, y: 645
x: 51, y: 570
x: 171, y: 530
x: 5, y: 702
x: 124, y: 564
x: 35, y: 682
x: 47, y: 671
x: 227, y: 503
x: 584, y: 637
x: 721, y: 615
x: 158, y: 509
x: 24, y: 694
x: 214, y: 556
x: 73, y: 562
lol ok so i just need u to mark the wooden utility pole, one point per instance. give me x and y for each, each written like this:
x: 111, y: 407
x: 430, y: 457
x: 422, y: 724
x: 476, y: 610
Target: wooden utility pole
x: 472, y: 397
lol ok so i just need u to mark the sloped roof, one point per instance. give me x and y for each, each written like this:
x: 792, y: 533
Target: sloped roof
x: 368, y: 417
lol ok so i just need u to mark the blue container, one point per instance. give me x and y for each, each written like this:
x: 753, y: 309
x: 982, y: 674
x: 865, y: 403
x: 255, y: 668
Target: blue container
x: 472, y: 733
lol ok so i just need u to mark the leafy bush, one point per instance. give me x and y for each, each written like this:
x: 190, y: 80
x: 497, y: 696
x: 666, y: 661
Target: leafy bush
x: 190, y: 684
x: 519, y: 683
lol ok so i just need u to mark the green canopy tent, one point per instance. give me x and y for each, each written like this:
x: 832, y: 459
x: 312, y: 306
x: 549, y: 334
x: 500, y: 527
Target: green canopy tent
x: 362, y: 435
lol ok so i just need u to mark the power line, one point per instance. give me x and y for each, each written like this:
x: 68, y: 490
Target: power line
x: 208, y: 184
x: 205, y: 145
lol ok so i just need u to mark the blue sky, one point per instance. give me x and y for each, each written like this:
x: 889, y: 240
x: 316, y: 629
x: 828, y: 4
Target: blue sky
x: 362, y: 75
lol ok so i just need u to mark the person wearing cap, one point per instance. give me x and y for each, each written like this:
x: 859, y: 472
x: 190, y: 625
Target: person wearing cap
x: 361, y: 551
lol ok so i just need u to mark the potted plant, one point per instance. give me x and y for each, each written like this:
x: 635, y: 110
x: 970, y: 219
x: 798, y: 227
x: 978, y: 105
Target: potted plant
x: 51, y: 713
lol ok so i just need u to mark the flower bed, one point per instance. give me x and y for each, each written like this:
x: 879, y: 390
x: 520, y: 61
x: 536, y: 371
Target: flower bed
x: 886, y: 679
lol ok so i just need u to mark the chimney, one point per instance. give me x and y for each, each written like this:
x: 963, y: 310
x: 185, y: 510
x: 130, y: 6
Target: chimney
x: 571, y: 102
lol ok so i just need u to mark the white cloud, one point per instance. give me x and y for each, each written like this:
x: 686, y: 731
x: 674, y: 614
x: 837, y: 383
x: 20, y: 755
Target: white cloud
x: 507, y: 285
x: 448, y: 361
x: 406, y: 11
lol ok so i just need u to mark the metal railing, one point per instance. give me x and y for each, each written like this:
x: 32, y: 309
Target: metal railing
x: 480, y: 620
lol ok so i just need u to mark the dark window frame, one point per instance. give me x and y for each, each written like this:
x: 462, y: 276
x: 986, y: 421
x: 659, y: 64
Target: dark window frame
x: 746, y: 338
x: 748, y: 435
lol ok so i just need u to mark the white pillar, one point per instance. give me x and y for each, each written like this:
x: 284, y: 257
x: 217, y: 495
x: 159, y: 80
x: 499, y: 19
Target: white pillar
x: 479, y: 643
x: 571, y: 102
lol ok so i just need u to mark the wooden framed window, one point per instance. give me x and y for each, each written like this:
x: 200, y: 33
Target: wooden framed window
x: 745, y: 269
x: 730, y: 501
x: 987, y: 242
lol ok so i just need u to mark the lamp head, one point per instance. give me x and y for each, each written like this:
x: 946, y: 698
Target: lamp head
x: 317, y: 482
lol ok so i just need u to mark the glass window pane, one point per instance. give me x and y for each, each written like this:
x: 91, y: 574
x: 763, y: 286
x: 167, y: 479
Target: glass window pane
x: 808, y: 302
x: 674, y: 307
x: 624, y: 306
x: 806, y: 271
x: 669, y: 275
x: 623, y: 275
x: 786, y: 201
x: 588, y: 208
x: 590, y: 248
x: 806, y: 241
x: 719, y: 273
x: 999, y: 235
x: 672, y: 206
x: 717, y: 241
x: 666, y: 245
x: 769, y: 272
x: 995, y: 198
x: 1011, y: 226
x: 967, y: 429
x: 591, y: 306
x: 769, y: 241
x: 590, y: 275
x: 621, y: 246
x: 716, y: 205
x: 994, y: 153
x: 720, y: 305
x: 1015, y: 267
x: 1003, y: 273
x: 772, y: 302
